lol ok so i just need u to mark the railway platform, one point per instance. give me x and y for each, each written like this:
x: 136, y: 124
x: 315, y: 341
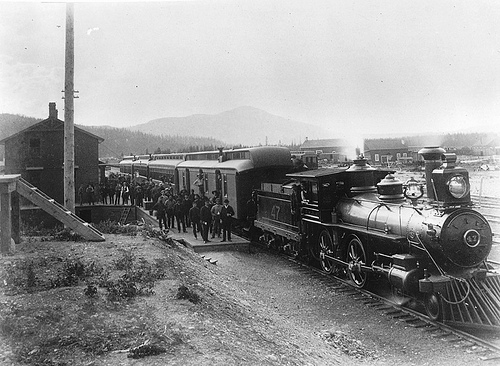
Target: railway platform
x: 236, y: 243
x: 188, y: 239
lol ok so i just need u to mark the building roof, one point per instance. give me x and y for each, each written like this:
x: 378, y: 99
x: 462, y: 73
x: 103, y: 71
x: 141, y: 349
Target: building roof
x: 310, y: 144
x: 492, y: 142
x: 49, y: 124
x: 385, y: 144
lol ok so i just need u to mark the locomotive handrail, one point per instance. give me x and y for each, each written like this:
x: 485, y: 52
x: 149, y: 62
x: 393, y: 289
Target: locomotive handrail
x: 465, y: 296
x: 372, y: 210
x: 430, y: 256
x: 444, y: 274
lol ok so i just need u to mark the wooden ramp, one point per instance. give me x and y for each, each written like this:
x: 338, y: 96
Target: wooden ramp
x: 58, y: 211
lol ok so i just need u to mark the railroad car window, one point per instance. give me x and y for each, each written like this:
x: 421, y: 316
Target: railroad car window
x: 224, y: 178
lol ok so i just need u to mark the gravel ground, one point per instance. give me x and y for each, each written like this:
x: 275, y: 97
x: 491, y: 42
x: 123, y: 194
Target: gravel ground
x: 255, y: 309
x: 304, y: 307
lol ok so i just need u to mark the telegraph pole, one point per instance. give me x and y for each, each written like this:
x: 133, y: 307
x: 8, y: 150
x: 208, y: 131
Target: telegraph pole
x: 69, y: 126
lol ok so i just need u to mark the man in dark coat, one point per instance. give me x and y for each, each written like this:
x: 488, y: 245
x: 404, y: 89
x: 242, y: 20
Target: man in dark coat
x: 206, y: 219
x: 179, y: 216
x: 226, y: 214
x: 194, y: 216
x: 159, y: 207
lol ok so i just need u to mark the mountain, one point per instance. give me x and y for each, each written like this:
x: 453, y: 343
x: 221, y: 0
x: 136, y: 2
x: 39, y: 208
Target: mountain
x: 244, y: 125
x: 13, y: 123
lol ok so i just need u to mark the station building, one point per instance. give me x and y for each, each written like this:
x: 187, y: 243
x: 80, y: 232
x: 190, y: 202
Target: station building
x: 386, y: 152
x: 37, y: 153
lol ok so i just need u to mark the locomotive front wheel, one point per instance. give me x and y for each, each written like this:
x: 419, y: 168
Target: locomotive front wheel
x: 356, y: 257
x: 325, y: 244
x: 434, y: 307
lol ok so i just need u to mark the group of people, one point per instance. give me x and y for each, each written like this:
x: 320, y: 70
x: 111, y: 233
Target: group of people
x: 119, y: 190
x: 204, y: 215
x: 183, y: 210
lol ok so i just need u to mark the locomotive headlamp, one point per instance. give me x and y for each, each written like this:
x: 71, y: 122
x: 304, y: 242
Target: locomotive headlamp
x: 458, y: 186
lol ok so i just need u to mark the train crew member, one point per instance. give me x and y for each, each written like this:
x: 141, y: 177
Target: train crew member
x: 251, y: 210
x: 215, y: 211
x: 194, y: 216
x: 226, y: 214
x: 206, y: 219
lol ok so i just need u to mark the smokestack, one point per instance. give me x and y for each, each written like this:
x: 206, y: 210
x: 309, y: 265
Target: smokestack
x: 52, y: 110
x: 433, y: 160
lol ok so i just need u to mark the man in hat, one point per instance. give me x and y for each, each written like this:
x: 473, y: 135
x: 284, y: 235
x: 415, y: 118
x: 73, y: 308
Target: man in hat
x: 215, y: 210
x: 206, y: 219
x: 226, y: 213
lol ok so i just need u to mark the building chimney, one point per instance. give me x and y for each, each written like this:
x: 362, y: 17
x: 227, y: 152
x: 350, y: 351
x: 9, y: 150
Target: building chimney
x: 52, y: 110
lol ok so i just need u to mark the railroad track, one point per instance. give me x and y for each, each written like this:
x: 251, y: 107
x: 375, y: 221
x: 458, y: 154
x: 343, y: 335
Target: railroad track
x: 485, y: 349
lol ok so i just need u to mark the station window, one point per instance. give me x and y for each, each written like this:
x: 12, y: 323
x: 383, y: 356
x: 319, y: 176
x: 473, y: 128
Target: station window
x: 377, y: 157
x: 398, y: 156
x: 35, y: 147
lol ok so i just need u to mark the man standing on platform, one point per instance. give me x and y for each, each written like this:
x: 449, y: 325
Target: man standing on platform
x: 194, y: 216
x: 226, y: 214
x: 206, y: 219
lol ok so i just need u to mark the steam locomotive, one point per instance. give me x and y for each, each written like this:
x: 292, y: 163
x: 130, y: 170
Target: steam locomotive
x: 364, y: 223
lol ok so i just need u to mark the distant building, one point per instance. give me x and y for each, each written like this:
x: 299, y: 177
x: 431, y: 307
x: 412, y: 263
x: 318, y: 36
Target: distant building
x: 334, y: 150
x: 387, y: 151
x: 37, y: 153
x: 487, y: 146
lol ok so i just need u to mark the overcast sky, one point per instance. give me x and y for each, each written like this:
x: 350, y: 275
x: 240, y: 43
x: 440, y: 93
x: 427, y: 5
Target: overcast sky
x: 372, y: 66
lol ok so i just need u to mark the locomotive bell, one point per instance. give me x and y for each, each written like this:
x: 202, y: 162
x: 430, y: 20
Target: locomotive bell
x: 390, y: 188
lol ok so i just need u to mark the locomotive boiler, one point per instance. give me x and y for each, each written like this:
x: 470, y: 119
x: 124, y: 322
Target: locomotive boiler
x: 427, y: 242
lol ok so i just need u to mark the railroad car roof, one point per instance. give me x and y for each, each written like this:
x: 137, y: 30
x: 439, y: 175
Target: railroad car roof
x: 164, y: 162
x: 238, y: 165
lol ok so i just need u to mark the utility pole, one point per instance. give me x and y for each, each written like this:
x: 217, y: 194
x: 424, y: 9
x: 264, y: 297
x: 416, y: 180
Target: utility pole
x: 69, y: 126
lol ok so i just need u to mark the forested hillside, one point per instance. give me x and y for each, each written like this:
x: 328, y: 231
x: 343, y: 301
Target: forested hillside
x: 118, y: 141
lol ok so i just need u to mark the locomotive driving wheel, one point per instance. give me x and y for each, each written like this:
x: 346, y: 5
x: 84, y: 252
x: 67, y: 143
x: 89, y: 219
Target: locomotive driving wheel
x: 325, y: 244
x: 356, y: 257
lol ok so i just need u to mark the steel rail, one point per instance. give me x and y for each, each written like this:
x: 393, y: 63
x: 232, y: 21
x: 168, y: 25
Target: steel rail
x: 491, y: 348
